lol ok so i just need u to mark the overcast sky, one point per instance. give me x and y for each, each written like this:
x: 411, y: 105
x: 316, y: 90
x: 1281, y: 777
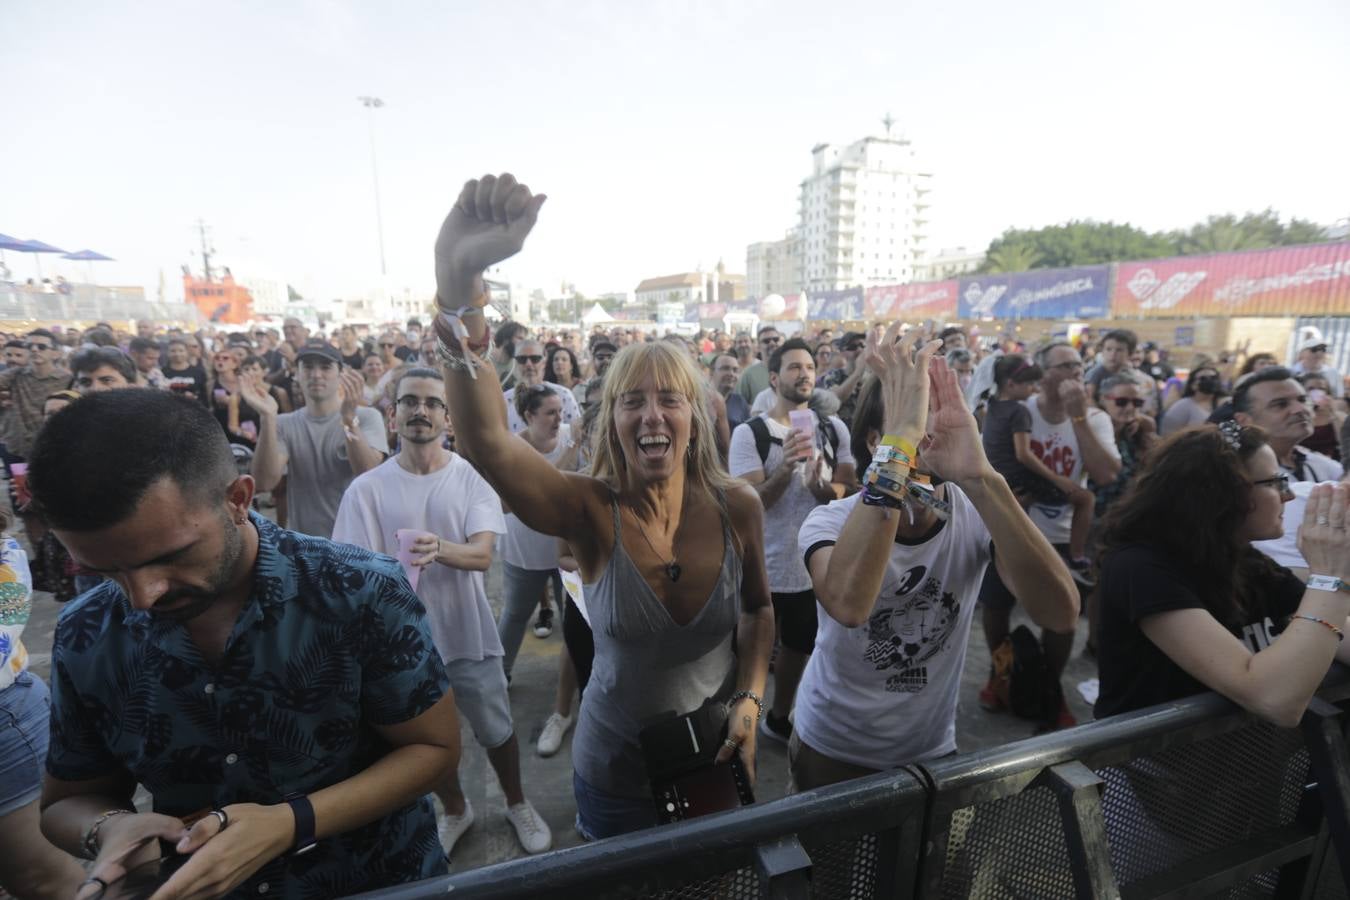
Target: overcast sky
x: 667, y: 135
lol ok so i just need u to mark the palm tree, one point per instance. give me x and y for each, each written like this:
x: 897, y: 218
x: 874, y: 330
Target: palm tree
x: 1012, y: 258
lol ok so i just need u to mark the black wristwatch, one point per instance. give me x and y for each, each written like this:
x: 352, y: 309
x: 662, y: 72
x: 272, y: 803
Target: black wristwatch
x: 304, y: 823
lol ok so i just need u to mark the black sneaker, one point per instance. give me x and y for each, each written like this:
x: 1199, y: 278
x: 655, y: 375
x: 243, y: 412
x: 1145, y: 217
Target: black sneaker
x: 543, y: 626
x: 775, y: 729
x: 1081, y: 570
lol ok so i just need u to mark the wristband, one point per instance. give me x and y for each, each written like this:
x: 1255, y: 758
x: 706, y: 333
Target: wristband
x: 744, y: 695
x: 1340, y: 636
x: 1078, y: 419
x: 904, y: 445
x: 304, y: 823
x: 1328, y: 583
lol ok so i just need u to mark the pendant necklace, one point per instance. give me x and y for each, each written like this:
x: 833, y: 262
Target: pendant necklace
x: 672, y: 566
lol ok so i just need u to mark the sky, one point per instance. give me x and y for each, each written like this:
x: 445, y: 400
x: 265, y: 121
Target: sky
x: 667, y: 135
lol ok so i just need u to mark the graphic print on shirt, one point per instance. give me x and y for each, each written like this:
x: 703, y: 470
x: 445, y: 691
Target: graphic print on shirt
x: 903, y: 637
x: 1260, y: 635
x: 1057, y: 456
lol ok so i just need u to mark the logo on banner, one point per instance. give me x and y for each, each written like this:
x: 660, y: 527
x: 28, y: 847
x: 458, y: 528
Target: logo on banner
x: 1155, y: 294
x: 983, y: 300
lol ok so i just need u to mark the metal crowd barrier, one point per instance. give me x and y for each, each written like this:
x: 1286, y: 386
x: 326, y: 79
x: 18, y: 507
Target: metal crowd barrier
x: 1188, y: 799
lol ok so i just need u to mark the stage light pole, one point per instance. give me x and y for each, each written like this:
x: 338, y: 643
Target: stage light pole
x: 371, y: 104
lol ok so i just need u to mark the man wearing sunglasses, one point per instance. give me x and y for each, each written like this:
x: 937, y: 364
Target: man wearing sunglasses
x: 528, y: 373
x: 1312, y: 359
x: 457, y: 516
x: 23, y: 393
x: 755, y: 378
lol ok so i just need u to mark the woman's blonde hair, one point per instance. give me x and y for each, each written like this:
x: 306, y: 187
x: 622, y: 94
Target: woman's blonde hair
x: 674, y: 371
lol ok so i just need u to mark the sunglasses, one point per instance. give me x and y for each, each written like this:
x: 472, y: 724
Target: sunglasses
x: 770, y: 340
x: 390, y: 344
x: 854, y: 348
x: 532, y: 358
x: 39, y: 346
x: 1122, y: 402
x: 1279, y: 482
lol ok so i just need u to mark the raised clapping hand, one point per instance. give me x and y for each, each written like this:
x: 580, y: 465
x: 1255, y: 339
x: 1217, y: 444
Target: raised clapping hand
x: 1324, y: 536
x: 904, y: 379
x: 488, y: 224
x: 353, y: 392
x: 256, y: 395
x: 953, y: 449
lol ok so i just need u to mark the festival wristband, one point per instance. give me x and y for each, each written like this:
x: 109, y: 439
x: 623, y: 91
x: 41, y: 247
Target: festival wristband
x: 904, y: 445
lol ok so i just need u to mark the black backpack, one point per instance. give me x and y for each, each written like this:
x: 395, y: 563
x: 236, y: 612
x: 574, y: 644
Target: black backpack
x: 824, y: 428
x: 1033, y: 690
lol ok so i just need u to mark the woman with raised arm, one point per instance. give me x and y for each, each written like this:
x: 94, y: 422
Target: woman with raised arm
x: 670, y: 548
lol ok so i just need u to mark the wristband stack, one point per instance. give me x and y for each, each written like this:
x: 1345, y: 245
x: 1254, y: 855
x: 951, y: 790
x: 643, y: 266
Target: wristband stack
x: 452, y: 340
x: 893, y: 480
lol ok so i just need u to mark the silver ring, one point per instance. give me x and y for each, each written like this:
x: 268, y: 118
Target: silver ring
x: 732, y: 744
x: 223, y: 816
x: 1323, y: 520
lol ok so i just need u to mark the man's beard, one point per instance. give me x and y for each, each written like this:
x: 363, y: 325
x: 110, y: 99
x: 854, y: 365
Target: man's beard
x: 797, y: 393
x: 203, y: 598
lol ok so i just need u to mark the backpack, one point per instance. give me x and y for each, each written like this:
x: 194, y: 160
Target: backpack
x: 1023, y: 679
x: 824, y: 428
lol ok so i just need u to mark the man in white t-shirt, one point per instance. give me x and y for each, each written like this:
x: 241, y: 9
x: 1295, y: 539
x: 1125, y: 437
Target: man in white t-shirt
x: 897, y: 587
x: 428, y: 489
x: 794, y: 472
x: 529, y: 371
x: 1074, y: 440
x: 321, y: 447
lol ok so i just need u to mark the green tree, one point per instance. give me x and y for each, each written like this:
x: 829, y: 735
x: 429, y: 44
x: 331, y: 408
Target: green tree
x: 1073, y: 244
x: 1226, y: 233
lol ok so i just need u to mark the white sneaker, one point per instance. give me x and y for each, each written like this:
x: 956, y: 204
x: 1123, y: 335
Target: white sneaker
x: 452, y: 828
x: 531, y: 829
x: 551, y: 738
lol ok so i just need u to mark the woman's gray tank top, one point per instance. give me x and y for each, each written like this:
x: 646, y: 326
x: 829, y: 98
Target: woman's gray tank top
x: 645, y: 664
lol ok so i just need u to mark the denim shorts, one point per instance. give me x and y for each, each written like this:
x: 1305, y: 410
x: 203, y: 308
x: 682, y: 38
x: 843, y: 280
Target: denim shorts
x: 601, y: 814
x: 24, y: 711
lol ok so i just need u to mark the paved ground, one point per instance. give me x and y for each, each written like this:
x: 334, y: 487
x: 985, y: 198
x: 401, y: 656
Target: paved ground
x: 548, y: 781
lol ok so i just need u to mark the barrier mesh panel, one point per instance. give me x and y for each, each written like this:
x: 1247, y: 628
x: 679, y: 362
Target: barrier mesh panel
x: 742, y: 884
x: 1009, y: 848
x: 845, y: 870
x: 1163, y: 809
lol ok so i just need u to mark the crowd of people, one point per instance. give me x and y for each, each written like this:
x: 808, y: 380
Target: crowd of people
x: 827, y: 509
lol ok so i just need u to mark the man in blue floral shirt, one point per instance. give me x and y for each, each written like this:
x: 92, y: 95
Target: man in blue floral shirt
x: 278, y: 695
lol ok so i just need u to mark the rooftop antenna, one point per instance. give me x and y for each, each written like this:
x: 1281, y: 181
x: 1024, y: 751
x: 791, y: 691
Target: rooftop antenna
x: 888, y: 121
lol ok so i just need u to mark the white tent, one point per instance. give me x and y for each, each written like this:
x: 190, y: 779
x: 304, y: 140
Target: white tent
x: 596, y: 315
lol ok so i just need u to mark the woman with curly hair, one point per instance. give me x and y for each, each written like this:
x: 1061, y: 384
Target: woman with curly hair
x: 1187, y: 604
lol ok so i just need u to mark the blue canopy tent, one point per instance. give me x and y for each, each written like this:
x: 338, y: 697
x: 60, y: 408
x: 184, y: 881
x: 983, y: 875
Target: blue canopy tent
x: 87, y: 257
x: 34, y: 247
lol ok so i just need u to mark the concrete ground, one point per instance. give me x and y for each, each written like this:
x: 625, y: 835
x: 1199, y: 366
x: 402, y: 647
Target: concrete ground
x: 548, y: 782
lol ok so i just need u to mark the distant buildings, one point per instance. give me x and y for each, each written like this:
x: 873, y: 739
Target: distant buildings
x: 774, y: 267
x: 862, y: 214
x: 718, y: 286
x: 948, y: 263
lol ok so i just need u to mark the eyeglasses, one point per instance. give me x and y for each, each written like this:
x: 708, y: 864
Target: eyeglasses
x: 1122, y: 402
x: 1280, y: 483
x: 1071, y: 366
x: 389, y: 344
x: 531, y: 358
x: 411, y: 403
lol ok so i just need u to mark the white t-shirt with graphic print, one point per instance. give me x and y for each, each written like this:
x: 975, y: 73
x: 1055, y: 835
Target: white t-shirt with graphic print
x: 884, y: 694
x: 1057, y: 446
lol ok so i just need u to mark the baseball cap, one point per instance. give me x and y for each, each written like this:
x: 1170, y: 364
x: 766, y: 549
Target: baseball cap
x: 1311, y: 336
x: 320, y: 348
x: 848, y: 337
x: 1150, y: 345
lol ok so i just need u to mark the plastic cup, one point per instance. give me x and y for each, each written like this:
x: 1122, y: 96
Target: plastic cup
x: 406, y: 537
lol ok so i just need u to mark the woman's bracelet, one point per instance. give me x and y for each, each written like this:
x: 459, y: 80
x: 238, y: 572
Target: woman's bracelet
x: 1340, y: 635
x: 747, y: 695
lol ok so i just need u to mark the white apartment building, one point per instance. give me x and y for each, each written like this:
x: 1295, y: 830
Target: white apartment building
x: 774, y: 267
x: 863, y: 214
x: 686, y: 287
x: 948, y: 263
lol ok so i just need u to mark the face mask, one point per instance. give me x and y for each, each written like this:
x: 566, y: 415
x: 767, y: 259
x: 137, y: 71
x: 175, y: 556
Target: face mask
x: 964, y: 381
x: 1209, y: 384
